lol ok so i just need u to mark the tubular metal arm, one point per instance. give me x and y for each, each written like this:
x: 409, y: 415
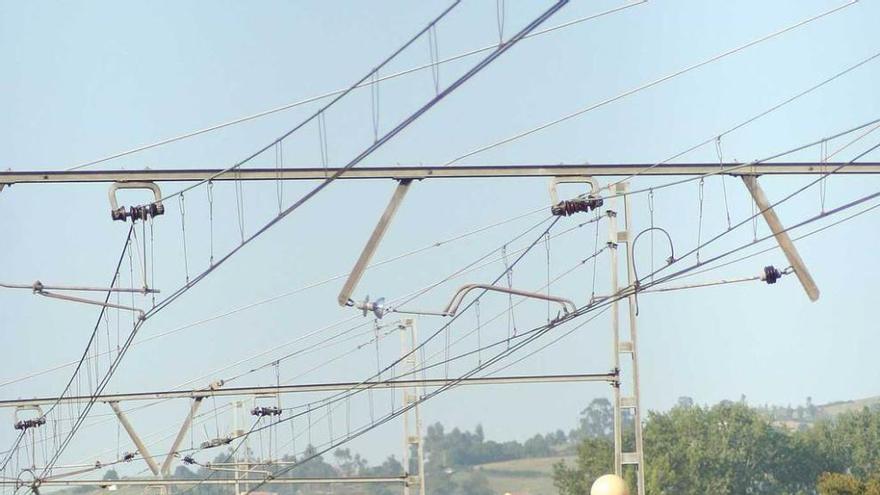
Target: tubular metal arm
x: 452, y: 308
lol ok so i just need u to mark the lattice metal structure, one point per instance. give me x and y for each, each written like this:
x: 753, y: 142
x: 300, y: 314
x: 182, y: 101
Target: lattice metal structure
x: 625, y: 347
x: 412, y: 420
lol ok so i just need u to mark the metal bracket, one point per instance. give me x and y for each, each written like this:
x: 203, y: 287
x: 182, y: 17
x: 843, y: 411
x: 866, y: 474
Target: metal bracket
x: 135, y: 438
x: 555, y: 181
x: 583, y: 203
x: 65, y: 297
x: 363, y: 261
x: 166, y: 464
x: 153, y: 209
x: 782, y: 238
x: 23, y: 424
x: 452, y: 308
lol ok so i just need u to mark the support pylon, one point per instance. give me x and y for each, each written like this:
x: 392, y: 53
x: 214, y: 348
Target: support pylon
x: 412, y: 421
x: 625, y: 345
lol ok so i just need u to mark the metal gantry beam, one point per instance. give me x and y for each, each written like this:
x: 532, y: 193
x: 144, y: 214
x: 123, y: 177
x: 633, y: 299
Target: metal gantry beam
x: 434, y: 172
x: 210, y: 481
x: 316, y: 387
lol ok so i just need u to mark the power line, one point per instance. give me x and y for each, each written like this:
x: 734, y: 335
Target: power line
x: 312, y: 285
x: 751, y: 119
x: 340, y: 91
x: 648, y: 84
x: 413, y: 294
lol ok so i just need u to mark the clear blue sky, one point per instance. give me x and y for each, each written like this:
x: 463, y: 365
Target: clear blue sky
x: 80, y: 81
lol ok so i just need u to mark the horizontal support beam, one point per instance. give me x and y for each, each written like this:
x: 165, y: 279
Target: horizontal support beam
x: 210, y: 481
x: 315, y: 387
x: 432, y: 172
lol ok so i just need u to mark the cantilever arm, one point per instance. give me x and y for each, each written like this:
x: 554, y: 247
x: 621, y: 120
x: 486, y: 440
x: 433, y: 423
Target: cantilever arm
x: 65, y: 297
x: 452, y: 308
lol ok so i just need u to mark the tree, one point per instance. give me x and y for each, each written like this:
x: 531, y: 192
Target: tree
x: 685, y: 402
x: 595, y: 457
x: 536, y: 446
x: 596, y: 421
x: 111, y: 474
x: 840, y: 484
x: 728, y: 448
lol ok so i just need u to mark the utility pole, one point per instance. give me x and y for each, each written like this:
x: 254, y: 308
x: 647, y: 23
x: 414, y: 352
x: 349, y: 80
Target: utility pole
x: 236, y: 413
x: 627, y: 400
x: 412, y: 421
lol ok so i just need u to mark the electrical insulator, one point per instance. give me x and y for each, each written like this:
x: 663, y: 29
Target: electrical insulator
x: 138, y: 212
x: 377, y: 307
x: 771, y: 274
x: 30, y: 423
x: 577, y: 205
x: 266, y: 411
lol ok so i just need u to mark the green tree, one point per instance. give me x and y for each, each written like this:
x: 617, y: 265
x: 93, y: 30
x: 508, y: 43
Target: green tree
x: 596, y: 420
x: 725, y: 449
x: 840, y: 484
x: 595, y: 457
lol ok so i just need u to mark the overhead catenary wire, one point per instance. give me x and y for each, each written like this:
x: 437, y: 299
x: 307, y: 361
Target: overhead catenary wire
x: 458, y: 273
x: 647, y: 85
x: 623, y: 292
x: 751, y: 164
x: 80, y: 363
x: 369, y: 150
x: 802, y: 222
x: 878, y: 193
x: 361, y: 386
x: 752, y: 119
x: 495, y: 260
x: 408, y: 373
x: 821, y: 215
x: 532, y: 335
x: 772, y: 248
x: 337, y: 92
x: 407, y: 254
x: 777, y: 203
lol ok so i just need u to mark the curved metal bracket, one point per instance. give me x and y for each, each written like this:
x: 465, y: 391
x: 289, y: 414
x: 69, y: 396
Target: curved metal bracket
x: 582, y: 203
x: 23, y: 424
x: 555, y: 181
x: 153, y: 209
x: 452, y: 308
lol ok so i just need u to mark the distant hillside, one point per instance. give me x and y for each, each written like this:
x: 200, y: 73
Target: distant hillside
x: 834, y: 408
x: 803, y: 416
x: 531, y: 476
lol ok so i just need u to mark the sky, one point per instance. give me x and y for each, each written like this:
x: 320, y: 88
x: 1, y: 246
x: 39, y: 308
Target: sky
x: 82, y: 81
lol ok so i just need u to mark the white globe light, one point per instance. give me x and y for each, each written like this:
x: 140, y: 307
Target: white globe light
x: 609, y: 484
